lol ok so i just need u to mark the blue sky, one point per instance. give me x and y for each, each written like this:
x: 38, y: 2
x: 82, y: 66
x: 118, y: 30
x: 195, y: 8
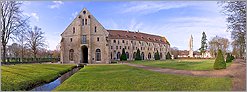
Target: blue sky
x: 174, y: 20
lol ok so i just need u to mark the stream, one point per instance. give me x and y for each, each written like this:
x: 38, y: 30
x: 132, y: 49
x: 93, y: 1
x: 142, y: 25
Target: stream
x: 53, y: 84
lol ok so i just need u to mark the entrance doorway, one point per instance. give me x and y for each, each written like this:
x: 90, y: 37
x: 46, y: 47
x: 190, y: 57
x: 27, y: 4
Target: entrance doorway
x: 84, y: 54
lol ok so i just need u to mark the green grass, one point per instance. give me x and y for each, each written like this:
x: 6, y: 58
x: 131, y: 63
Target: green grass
x: 24, y: 76
x: 127, y: 78
x: 181, y: 64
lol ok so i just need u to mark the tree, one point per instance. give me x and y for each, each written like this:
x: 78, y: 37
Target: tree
x: 217, y: 43
x: 236, y: 12
x: 11, y: 21
x: 35, y: 40
x: 14, y: 50
x: 175, y: 52
x: 138, y: 55
x: 228, y: 58
x: 157, y: 56
x: 203, y: 43
x: 219, y: 61
x: 123, y: 56
x: 168, y: 55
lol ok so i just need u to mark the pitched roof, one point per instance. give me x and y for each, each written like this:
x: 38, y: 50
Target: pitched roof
x: 121, y: 34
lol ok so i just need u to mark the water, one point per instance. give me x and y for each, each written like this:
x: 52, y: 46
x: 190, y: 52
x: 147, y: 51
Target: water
x: 52, y: 85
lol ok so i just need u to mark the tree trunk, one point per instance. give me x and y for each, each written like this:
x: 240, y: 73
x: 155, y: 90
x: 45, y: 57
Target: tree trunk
x: 4, y: 53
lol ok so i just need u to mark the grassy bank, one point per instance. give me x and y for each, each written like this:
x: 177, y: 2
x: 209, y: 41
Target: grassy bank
x: 181, y: 64
x: 24, y: 76
x: 127, y: 78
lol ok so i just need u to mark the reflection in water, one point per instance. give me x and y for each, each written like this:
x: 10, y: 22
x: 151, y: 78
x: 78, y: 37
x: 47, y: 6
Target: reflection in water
x: 52, y: 85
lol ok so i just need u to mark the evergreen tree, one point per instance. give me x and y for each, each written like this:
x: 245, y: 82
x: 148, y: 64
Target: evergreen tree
x: 219, y: 61
x: 168, y: 56
x: 123, y: 56
x: 203, y: 43
x: 138, y: 55
x: 157, y: 56
x: 228, y: 58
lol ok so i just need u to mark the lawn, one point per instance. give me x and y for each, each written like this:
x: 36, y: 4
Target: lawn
x: 181, y: 64
x: 24, y: 76
x: 126, y: 78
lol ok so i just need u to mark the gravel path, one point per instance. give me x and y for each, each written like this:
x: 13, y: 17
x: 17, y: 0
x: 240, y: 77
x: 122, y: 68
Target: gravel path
x: 237, y: 71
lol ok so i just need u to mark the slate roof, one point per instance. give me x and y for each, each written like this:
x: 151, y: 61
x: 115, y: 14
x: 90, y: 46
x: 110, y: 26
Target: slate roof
x: 121, y: 34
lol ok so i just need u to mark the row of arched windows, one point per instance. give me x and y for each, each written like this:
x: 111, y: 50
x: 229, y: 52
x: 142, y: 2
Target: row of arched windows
x: 134, y: 55
x: 97, y: 55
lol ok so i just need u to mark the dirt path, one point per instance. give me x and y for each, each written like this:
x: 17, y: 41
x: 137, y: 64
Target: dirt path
x: 237, y: 71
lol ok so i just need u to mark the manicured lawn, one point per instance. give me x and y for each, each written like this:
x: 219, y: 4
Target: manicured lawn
x: 127, y: 78
x: 22, y: 76
x: 181, y: 64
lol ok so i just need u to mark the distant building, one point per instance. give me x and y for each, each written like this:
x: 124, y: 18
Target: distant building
x: 193, y: 54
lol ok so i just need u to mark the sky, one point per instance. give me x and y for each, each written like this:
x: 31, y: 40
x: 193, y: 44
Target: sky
x: 175, y: 20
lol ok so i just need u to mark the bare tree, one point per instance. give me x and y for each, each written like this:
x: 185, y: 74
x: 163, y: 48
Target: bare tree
x: 217, y: 43
x: 11, y: 21
x: 236, y: 12
x: 35, y: 40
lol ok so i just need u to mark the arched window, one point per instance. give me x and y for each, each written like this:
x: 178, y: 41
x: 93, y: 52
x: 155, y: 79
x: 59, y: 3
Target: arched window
x: 98, y: 55
x: 134, y: 55
x: 114, y: 41
x: 142, y: 55
x: 85, y: 21
x: 111, y: 55
x: 118, y: 55
x: 127, y: 55
x: 95, y: 29
x: 82, y: 22
x: 71, y: 54
x: 160, y: 55
x: 149, y: 56
x: 73, y: 30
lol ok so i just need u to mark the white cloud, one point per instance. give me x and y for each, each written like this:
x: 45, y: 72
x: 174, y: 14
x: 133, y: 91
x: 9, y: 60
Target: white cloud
x: 147, y: 7
x: 56, y: 4
x: 34, y: 15
x: 73, y: 15
x: 151, y: 7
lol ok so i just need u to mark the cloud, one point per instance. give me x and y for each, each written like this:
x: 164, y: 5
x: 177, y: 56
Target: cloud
x: 148, y: 7
x: 73, y: 15
x: 151, y: 7
x: 34, y: 15
x: 134, y: 25
x: 56, y: 4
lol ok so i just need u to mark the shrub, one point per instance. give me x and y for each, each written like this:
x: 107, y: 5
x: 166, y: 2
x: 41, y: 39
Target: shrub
x: 123, y: 56
x: 138, y: 55
x: 168, y: 56
x: 157, y: 56
x: 228, y: 58
x: 219, y: 61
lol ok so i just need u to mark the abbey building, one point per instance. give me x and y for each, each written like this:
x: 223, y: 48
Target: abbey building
x: 85, y: 40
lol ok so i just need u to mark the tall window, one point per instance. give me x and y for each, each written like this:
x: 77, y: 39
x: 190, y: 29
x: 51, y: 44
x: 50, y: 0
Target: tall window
x: 95, y: 29
x: 73, y: 30
x: 84, y: 39
x: 71, y: 54
x: 98, y: 55
x: 71, y: 39
x: 134, y: 55
x: 82, y: 22
x: 127, y: 55
x: 149, y: 56
x: 85, y: 21
x: 97, y: 38
x: 118, y: 55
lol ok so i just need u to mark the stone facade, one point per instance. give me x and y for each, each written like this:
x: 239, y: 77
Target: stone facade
x: 85, y: 40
